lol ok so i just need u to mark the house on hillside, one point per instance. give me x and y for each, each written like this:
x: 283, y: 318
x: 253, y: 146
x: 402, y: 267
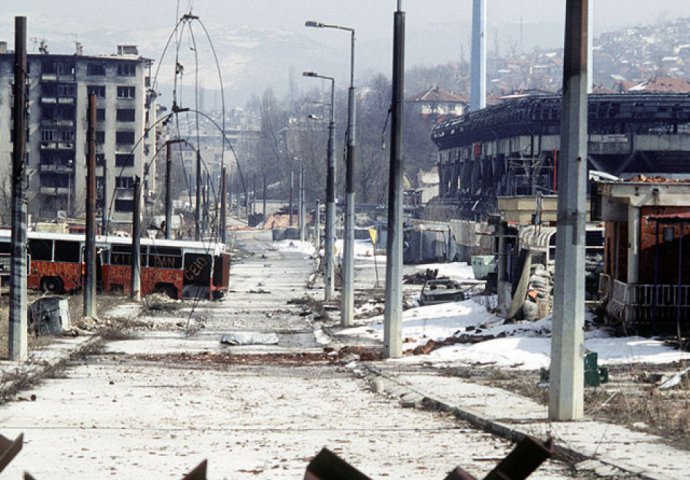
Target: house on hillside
x: 435, y: 103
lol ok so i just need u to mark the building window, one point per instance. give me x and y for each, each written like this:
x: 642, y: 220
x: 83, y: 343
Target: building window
x: 124, y: 159
x: 66, y: 90
x: 127, y: 69
x: 47, y: 135
x: 125, y: 114
x: 124, y: 204
x: 98, y: 90
x: 100, y: 159
x: 125, y: 92
x: 100, y: 114
x: 95, y: 69
x: 100, y: 137
x: 124, y: 137
x: 124, y: 182
x: 67, y: 136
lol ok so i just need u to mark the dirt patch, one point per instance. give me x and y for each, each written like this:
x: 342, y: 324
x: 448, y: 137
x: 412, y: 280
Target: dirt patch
x: 631, y: 397
x: 229, y: 358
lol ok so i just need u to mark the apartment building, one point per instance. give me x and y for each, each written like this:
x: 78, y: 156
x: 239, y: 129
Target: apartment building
x: 58, y: 88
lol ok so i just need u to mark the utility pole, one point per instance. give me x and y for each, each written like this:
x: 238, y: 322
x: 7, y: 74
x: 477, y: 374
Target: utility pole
x: 292, y: 176
x: 300, y: 199
x: 90, y: 260
x: 348, y: 290
x: 330, y: 203
x: 168, y: 190
x: 223, y: 205
x: 392, y: 325
x: 18, y: 340
x: 317, y: 227
x: 566, y: 389
x: 104, y: 212
x: 136, y: 242
x: 263, y: 210
x: 197, y: 208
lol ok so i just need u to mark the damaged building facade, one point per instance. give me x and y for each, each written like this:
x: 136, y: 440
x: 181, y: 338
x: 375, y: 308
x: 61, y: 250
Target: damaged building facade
x: 498, y: 178
x: 58, y: 90
x: 645, y: 284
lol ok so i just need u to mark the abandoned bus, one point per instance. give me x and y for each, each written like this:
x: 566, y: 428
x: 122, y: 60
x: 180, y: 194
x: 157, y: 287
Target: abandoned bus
x: 173, y: 267
x: 176, y: 268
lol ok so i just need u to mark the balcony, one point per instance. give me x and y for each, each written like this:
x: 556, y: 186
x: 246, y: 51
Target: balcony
x: 647, y: 308
x: 51, y: 167
x: 54, y: 191
x: 57, y: 146
x: 57, y: 123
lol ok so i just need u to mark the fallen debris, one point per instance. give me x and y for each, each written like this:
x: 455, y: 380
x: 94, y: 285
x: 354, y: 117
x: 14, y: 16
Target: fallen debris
x: 420, y: 278
x: 674, y: 380
x: 249, y: 338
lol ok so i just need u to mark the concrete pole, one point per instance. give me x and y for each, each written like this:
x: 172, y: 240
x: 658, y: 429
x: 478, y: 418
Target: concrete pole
x: 136, y: 242
x: 223, y: 205
x: 18, y: 341
x: 197, y: 207
x: 292, y: 182
x: 263, y: 200
x: 347, y: 308
x: 104, y: 211
x: 590, y: 48
x: 392, y: 324
x: 566, y: 398
x: 300, y: 198
x: 168, y: 190
x: 90, y: 251
x: 478, y: 69
x: 633, y: 264
x: 330, y: 204
x: 317, y: 227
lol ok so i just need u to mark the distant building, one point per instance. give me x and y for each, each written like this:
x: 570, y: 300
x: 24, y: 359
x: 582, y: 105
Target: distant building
x: 58, y: 87
x: 436, y: 103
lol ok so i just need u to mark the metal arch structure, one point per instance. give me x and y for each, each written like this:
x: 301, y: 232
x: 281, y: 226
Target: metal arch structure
x: 511, y: 149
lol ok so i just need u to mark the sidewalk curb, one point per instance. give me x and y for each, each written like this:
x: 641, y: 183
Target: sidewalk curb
x: 35, y: 369
x: 427, y: 401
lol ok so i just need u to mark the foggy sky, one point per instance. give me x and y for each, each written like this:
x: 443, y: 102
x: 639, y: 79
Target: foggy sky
x: 371, y: 18
x: 149, y: 22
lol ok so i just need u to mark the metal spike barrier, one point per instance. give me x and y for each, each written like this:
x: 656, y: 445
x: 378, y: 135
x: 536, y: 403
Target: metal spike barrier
x: 9, y: 449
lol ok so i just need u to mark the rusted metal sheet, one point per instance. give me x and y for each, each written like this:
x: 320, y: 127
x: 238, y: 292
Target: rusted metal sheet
x: 329, y: 466
x: 525, y: 458
x: 9, y: 449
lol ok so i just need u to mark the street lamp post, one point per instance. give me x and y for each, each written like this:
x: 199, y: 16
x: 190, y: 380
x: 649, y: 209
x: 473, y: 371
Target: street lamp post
x: 330, y: 193
x: 69, y: 186
x: 347, y: 295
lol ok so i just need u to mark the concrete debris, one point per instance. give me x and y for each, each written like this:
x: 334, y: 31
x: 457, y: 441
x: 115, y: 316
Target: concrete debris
x: 420, y: 278
x: 674, y: 380
x: 49, y: 316
x: 249, y: 338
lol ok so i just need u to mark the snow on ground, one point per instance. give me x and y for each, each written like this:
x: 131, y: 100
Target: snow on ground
x: 523, y: 345
x: 295, y: 246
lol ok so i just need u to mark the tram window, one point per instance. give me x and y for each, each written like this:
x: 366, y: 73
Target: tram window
x: 5, y: 248
x: 41, y: 249
x: 121, y: 255
x: 165, y: 257
x: 66, y: 251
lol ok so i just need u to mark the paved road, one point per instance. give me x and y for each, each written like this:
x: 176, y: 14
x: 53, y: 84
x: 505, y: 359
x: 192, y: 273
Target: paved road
x: 156, y: 405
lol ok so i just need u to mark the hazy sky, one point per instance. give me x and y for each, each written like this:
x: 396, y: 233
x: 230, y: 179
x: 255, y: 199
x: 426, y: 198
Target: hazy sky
x: 438, y: 30
x: 371, y: 18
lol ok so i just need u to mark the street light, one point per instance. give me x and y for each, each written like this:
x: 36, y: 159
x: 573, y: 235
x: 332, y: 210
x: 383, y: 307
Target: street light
x: 330, y: 192
x: 347, y: 297
x: 69, y: 186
